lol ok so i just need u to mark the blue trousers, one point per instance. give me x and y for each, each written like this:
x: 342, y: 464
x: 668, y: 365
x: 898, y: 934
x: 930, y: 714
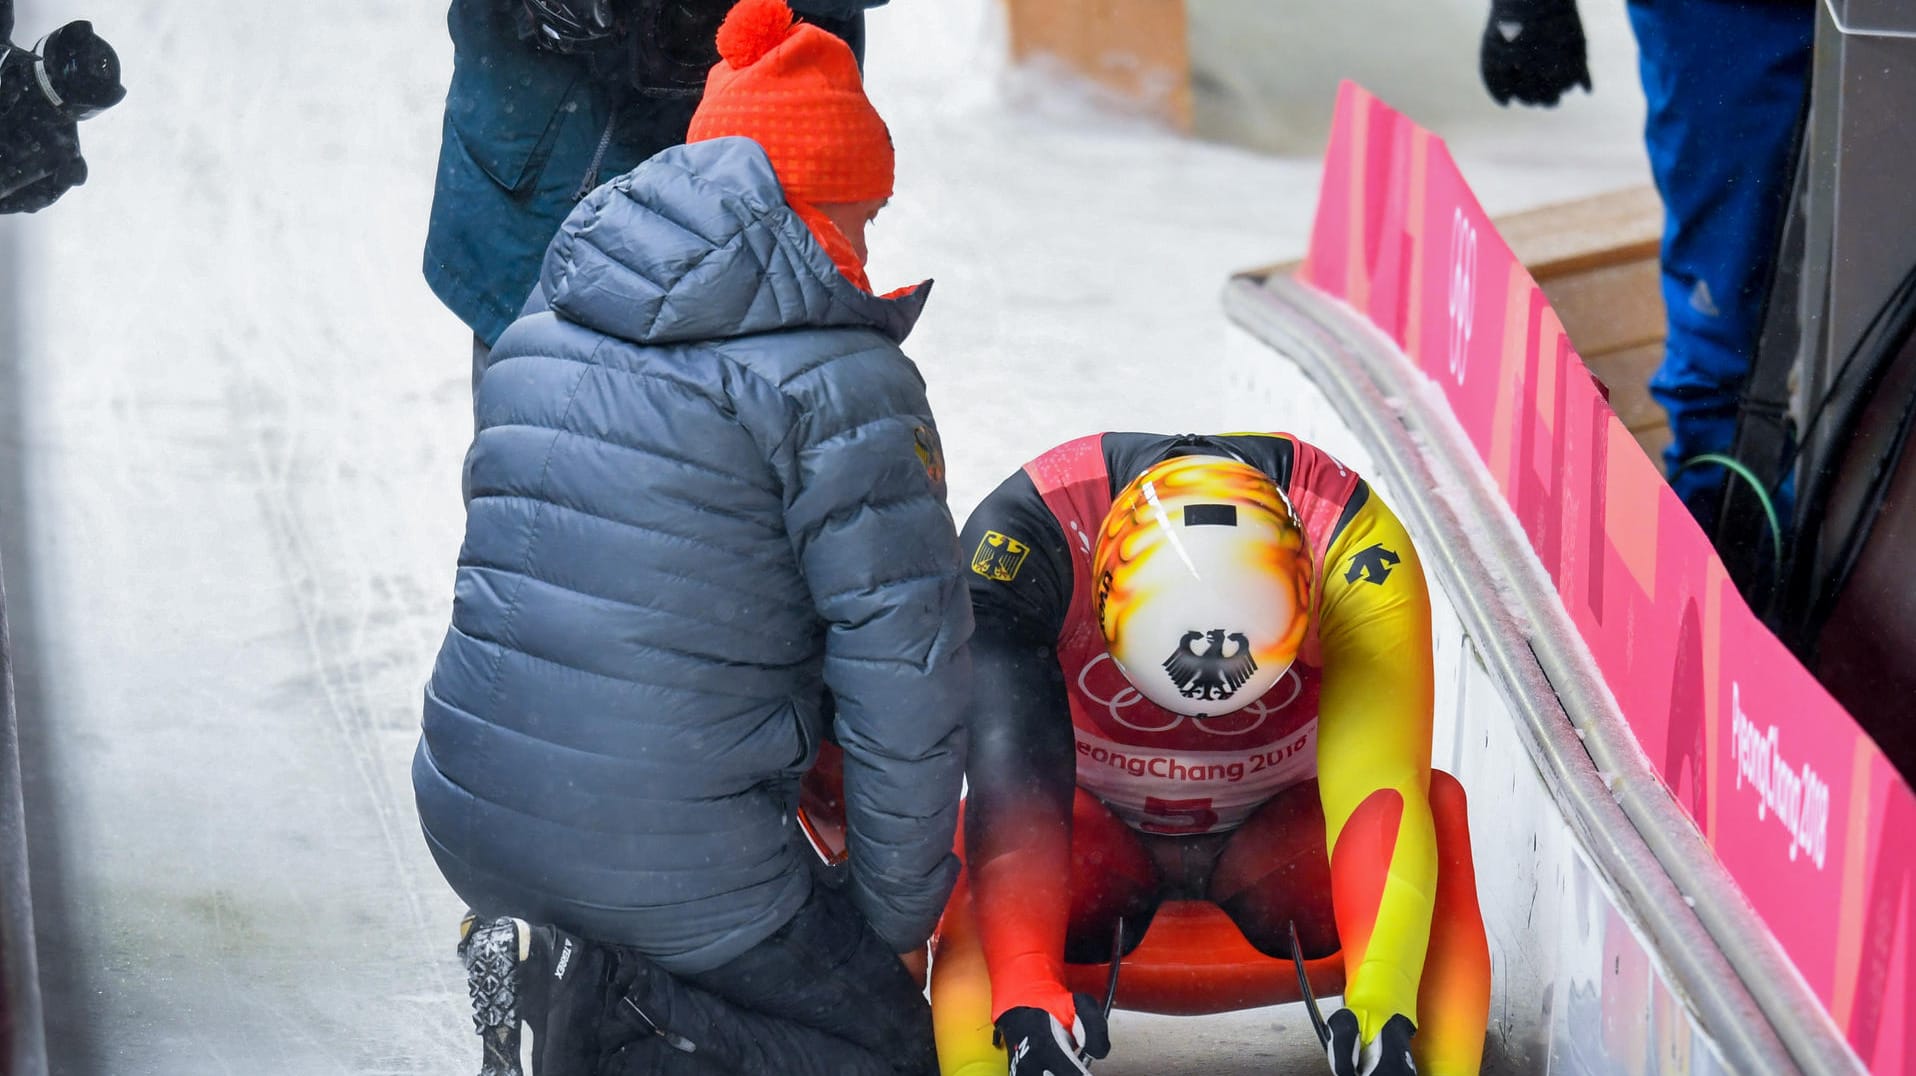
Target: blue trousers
x: 1725, y: 82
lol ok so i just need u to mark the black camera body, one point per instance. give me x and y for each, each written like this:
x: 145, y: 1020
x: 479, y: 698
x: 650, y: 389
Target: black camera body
x: 45, y: 92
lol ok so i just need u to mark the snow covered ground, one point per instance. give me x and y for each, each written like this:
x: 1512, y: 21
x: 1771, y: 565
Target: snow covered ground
x: 229, y: 469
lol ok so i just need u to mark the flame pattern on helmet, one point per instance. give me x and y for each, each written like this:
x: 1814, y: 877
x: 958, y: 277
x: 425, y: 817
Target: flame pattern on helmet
x: 1137, y: 529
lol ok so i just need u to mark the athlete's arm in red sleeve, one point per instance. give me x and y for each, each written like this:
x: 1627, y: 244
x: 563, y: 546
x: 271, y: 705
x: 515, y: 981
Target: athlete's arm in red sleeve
x: 1022, y: 768
x: 1373, y: 758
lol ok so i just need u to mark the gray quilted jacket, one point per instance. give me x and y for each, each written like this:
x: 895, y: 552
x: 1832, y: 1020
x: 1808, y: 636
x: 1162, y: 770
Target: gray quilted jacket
x: 705, y: 509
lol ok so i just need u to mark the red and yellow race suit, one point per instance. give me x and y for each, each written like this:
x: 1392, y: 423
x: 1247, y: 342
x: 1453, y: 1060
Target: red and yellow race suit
x: 1348, y: 729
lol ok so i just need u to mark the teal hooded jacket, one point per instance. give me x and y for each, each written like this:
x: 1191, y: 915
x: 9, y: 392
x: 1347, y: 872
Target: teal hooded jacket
x: 522, y: 131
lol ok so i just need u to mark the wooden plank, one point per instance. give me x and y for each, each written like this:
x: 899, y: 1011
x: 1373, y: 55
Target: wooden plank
x: 1608, y: 309
x: 1569, y: 237
x: 1608, y: 296
x: 1139, y: 49
x: 1265, y: 272
x: 1653, y: 441
x: 1626, y: 374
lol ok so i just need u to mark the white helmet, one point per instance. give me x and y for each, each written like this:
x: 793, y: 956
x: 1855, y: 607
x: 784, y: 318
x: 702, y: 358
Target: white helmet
x: 1204, y: 584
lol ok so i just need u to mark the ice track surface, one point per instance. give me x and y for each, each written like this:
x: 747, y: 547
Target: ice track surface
x: 235, y: 414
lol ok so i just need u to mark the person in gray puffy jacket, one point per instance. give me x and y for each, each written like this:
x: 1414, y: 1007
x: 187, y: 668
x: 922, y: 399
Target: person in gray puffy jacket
x: 706, y: 529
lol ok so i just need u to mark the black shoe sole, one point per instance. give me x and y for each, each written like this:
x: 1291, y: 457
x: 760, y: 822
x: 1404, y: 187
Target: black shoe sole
x: 494, y: 952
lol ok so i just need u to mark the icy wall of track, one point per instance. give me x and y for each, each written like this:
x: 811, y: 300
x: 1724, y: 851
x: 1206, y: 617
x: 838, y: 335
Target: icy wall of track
x: 22, y: 1049
x: 1577, y: 987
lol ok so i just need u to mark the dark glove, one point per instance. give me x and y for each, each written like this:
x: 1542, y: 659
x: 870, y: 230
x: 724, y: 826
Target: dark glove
x: 1040, y: 1046
x: 1386, y: 1055
x: 1533, y: 51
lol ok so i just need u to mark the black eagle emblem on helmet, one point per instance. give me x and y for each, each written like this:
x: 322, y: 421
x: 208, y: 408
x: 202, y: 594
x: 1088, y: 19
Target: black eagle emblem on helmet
x: 1212, y: 675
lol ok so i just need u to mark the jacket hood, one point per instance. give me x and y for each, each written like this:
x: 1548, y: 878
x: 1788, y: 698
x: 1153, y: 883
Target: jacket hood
x: 698, y: 243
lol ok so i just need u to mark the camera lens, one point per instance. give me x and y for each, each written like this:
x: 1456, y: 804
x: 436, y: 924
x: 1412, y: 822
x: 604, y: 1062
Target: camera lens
x: 81, y: 69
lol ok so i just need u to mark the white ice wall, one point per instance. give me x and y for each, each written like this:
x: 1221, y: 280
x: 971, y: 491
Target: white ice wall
x: 1575, y: 987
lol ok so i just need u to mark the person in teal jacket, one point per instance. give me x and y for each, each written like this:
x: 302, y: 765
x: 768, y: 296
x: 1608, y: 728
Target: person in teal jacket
x: 531, y: 129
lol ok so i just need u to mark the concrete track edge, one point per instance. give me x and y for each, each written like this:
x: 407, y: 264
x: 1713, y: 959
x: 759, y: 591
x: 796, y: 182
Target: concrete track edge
x: 26, y: 1030
x: 26, y: 1033
x: 1742, y: 988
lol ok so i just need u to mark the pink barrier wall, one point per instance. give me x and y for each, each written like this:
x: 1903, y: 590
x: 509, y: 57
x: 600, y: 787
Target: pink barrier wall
x: 1803, y: 810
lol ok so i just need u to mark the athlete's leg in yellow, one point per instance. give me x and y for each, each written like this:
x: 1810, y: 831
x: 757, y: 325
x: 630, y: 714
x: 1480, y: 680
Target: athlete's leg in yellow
x: 1453, y: 997
x: 961, y: 994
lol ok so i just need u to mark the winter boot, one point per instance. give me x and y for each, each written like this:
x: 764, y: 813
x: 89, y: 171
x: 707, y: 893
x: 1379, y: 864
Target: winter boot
x: 505, y: 961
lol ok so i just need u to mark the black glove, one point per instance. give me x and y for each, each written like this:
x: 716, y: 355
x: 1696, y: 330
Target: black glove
x: 1387, y: 1055
x: 1040, y: 1046
x: 1533, y: 51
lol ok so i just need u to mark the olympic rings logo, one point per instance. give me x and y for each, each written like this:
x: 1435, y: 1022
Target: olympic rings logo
x: 1127, y: 696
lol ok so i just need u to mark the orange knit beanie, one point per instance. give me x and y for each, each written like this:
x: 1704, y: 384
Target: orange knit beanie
x: 795, y: 90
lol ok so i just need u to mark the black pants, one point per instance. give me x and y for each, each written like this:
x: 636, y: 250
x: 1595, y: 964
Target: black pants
x: 822, y: 996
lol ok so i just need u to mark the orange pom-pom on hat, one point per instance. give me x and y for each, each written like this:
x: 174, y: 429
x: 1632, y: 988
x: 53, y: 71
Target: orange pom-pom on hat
x: 795, y: 90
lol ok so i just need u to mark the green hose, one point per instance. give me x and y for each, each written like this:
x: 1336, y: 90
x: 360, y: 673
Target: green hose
x: 1736, y: 467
